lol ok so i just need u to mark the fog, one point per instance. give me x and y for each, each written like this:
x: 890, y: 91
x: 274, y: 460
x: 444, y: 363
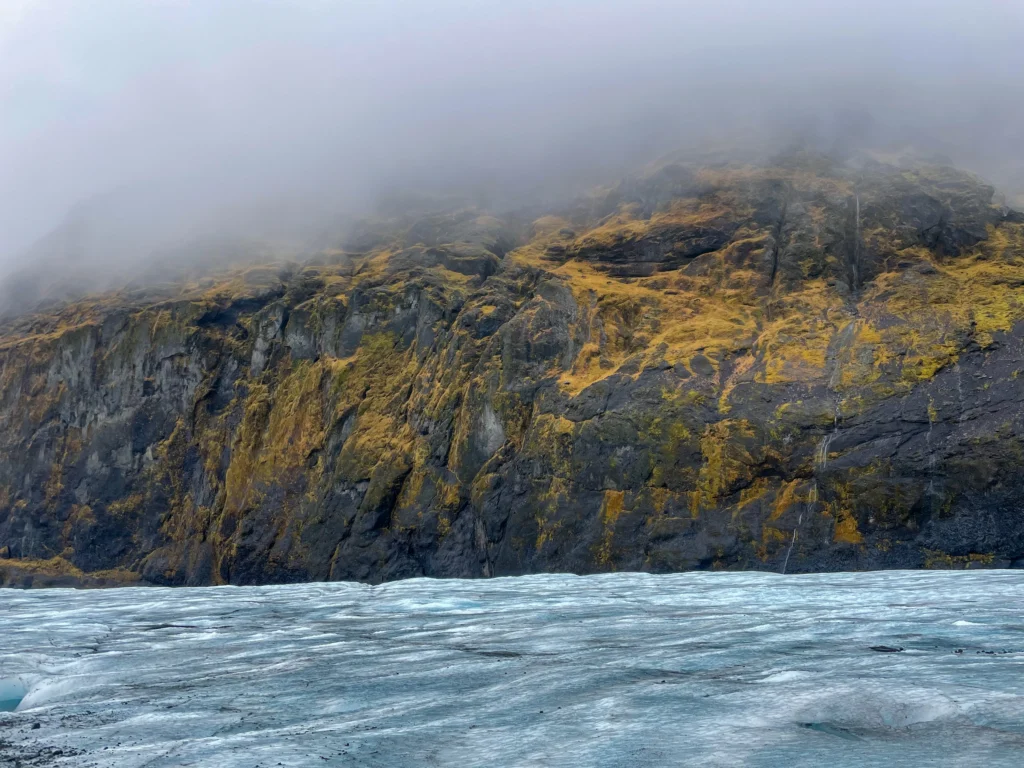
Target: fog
x: 130, y: 131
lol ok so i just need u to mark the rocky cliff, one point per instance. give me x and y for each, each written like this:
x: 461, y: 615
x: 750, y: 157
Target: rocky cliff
x: 802, y: 366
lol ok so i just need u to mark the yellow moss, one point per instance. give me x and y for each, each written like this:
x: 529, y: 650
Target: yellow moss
x: 61, y: 567
x: 55, y: 566
x: 115, y: 575
x: 546, y: 531
x: 862, y: 361
x: 794, y: 345
x: 726, y: 460
x: 666, y: 435
x: 920, y: 321
x: 129, y: 506
x: 846, y: 531
x: 660, y: 498
x: 448, y: 495
x: 772, y: 539
x: 785, y: 499
x: 413, y: 487
x: 548, y: 226
x: 81, y: 516
x: 665, y: 318
x: 240, y: 474
x: 739, y: 373
x: 754, y: 492
x: 938, y: 560
x: 546, y: 504
x: 611, y: 509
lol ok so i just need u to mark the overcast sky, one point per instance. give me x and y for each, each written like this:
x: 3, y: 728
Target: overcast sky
x: 215, y: 105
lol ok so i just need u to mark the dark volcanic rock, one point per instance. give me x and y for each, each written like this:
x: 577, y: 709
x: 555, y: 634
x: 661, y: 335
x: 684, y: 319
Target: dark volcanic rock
x: 802, y: 367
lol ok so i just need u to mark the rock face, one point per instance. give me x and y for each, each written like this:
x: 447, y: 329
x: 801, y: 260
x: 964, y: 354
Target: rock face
x: 797, y: 367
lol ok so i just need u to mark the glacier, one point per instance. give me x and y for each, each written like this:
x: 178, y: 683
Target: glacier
x: 702, y: 669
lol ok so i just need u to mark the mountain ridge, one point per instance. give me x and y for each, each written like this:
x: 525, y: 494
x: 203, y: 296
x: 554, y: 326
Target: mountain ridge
x: 802, y: 365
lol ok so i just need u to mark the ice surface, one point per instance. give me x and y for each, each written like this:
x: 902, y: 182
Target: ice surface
x: 617, y: 670
x: 12, y: 691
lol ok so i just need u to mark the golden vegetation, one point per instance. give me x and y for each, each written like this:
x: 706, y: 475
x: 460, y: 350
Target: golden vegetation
x: 723, y: 320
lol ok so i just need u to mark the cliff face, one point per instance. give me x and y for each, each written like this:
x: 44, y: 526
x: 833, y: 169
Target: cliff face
x: 798, y: 367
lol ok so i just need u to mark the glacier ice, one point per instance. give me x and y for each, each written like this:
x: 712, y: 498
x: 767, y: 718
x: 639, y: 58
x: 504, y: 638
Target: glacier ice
x: 702, y: 669
x: 12, y: 691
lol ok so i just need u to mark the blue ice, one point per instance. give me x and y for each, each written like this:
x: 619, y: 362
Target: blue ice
x: 12, y: 691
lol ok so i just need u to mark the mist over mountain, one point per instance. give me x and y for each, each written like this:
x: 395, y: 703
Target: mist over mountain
x: 134, y: 134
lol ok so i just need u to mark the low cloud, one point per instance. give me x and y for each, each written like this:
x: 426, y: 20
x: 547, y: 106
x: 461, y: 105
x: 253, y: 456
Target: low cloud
x: 129, y: 130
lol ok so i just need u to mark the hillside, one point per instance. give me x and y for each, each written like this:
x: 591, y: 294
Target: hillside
x: 799, y: 366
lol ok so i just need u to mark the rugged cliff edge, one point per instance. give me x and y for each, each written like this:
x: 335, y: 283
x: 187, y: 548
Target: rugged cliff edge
x: 797, y: 367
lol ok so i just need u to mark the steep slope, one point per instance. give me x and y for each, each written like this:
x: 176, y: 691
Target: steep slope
x: 805, y: 366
